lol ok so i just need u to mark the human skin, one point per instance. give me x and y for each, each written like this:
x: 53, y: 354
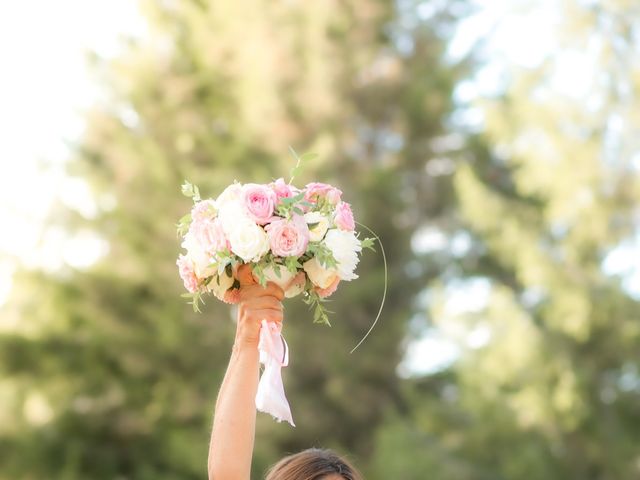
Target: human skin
x: 234, y: 423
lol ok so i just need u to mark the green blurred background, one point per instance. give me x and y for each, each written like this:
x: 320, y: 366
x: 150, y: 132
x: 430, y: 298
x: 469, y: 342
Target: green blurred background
x: 494, y: 149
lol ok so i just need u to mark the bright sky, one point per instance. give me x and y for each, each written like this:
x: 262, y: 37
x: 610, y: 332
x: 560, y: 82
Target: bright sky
x: 44, y: 83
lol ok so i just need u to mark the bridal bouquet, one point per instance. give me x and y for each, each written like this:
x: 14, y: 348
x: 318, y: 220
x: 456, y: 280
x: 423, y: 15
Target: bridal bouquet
x: 302, y: 239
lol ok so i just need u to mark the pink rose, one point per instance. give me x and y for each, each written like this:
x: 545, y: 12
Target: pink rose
x: 209, y: 234
x: 185, y: 267
x: 206, y: 209
x: 334, y: 195
x: 259, y: 202
x: 344, y: 217
x: 288, y: 238
x: 282, y: 189
x: 325, y: 292
x: 316, y: 190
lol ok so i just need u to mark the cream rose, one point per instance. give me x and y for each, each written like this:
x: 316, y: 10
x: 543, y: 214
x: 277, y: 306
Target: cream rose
x: 320, y: 225
x: 296, y: 287
x: 345, y: 247
x: 320, y: 276
x: 283, y: 280
x: 219, y: 284
x: 248, y: 240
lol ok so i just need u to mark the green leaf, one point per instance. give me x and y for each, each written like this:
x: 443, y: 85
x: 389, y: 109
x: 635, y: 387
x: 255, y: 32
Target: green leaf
x: 190, y: 190
x: 298, y: 197
x: 276, y: 269
x: 196, y: 299
x: 315, y: 302
x: 183, y: 224
x: 368, y: 243
x: 300, y: 161
x: 222, y: 265
x: 258, y: 270
x: 292, y: 264
x: 185, y: 219
x: 187, y: 189
x: 293, y: 152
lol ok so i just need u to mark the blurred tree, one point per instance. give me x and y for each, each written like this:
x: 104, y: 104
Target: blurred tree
x: 555, y: 393
x: 106, y: 372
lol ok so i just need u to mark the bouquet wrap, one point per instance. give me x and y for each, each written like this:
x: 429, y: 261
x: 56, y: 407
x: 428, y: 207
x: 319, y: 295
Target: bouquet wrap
x: 274, y: 354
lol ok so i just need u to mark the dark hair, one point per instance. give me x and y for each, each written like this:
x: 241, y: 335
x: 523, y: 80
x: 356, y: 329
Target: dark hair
x: 313, y: 464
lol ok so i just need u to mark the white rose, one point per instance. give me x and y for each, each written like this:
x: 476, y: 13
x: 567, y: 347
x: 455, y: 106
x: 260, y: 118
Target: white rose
x: 345, y: 247
x: 320, y: 276
x: 285, y: 276
x: 248, y: 240
x: 317, y: 232
x: 231, y: 210
x: 230, y: 194
x: 230, y: 214
x: 219, y: 284
x: 202, y: 261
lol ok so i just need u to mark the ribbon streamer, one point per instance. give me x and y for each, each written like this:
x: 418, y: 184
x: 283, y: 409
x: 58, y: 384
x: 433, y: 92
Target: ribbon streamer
x: 274, y: 354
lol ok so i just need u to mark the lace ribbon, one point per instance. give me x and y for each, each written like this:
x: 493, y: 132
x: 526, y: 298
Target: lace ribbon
x: 274, y: 354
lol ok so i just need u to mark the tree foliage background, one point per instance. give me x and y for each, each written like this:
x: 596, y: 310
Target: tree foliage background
x: 106, y: 373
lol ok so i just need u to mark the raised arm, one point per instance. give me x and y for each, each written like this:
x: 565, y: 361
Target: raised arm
x: 234, y: 423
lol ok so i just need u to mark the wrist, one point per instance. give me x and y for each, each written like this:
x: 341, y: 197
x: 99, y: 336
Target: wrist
x: 244, y: 344
x: 247, y: 333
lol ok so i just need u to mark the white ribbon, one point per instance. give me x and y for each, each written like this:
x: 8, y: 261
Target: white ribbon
x: 274, y: 354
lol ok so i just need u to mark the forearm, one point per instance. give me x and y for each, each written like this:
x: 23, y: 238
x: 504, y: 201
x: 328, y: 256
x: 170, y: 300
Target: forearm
x: 233, y: 432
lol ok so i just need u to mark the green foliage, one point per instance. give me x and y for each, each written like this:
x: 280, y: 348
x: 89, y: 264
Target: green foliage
x: 196, y: 299
x: 183, y: 224
x: 107, y: 375
x: 258, y: 271
x: 292, y: 263
x: 368, y: 243
x: 290, y: 205
x: 300, y: 161
x: 315, y: 302
x: 191, y: 191
x: 544, y: 398
x: 323, y: 254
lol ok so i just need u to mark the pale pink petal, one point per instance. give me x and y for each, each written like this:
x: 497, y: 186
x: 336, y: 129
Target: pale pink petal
x: 325, y: 292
